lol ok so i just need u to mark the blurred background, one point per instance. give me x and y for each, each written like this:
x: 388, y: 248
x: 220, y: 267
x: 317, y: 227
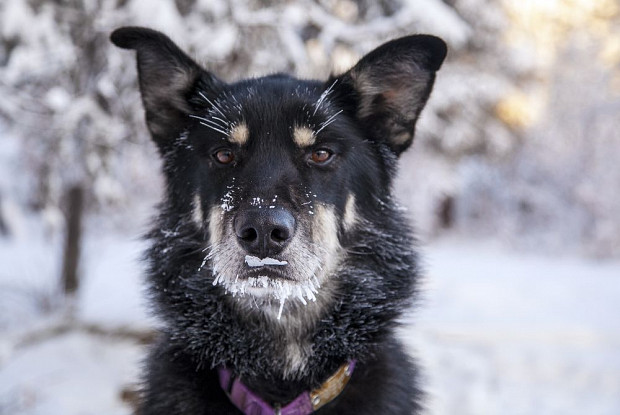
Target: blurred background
x: 512, y: 183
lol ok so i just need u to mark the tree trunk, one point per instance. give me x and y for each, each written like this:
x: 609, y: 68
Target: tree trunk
x: 73, y: 236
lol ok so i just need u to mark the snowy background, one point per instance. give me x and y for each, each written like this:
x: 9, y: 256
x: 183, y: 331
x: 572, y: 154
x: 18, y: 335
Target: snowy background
x: 512, y: 183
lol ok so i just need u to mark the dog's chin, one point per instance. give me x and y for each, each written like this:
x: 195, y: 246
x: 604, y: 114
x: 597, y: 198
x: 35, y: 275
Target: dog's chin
x: 269, y: 285
x: 264, y: 283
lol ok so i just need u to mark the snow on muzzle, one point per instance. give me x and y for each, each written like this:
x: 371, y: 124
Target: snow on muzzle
x: 253, y: 261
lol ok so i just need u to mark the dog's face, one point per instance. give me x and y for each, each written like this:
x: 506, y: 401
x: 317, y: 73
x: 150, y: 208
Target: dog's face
x: 277, y: 173
x: 275, y: 160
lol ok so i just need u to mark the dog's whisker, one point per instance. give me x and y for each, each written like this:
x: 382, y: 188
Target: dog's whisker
x: 328, y: 122
x: 214, y: 106
x: 223, y: 121
x: 198, y: 117
x: 208, y: 247
x: 210, y: 121
x: 217, y: 122
x: 323, y: 96
x: 213, y: 128
x: 237, y: 105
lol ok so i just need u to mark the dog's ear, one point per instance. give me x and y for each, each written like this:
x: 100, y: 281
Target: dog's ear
x: 168, y: 80
x: 391, y: 85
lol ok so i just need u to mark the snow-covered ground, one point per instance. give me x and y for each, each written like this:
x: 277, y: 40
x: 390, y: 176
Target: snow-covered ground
x: 501, y: 333
x: 496, y: 332
x: 50, y: 366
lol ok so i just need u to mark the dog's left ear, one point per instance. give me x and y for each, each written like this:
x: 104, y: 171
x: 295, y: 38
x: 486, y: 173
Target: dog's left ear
x: 391, y: 85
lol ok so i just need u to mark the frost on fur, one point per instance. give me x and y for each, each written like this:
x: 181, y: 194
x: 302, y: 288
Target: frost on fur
x: 276, y: 289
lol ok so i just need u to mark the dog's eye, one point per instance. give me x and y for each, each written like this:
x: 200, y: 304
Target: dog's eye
x: 321, y: 156
x: 224, y: 156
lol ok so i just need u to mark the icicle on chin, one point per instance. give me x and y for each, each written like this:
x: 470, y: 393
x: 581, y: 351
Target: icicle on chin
x: 265, y: 287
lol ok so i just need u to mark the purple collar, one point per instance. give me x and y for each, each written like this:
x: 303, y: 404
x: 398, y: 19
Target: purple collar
x: 306, y: 403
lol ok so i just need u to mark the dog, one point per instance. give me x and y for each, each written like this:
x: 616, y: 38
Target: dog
x: 279, y: 262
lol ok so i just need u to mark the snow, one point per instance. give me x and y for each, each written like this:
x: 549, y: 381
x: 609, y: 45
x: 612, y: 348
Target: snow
x: 522, y: 286
x: 51, y: 364
x: 253, y: 261
x: 75, y: 373
x: 508, y: 333
x: 27, y: 290
x: 161, y: 15
x: 112, y: 292
x: 496, y: 332
x: 111, y: 277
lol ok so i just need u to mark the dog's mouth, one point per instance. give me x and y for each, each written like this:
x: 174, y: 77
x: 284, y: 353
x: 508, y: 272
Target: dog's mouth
x: 267, y: 279
x: 270, y: 272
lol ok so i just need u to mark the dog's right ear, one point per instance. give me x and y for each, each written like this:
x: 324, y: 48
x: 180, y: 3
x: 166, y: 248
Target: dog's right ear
x: 168, y: 80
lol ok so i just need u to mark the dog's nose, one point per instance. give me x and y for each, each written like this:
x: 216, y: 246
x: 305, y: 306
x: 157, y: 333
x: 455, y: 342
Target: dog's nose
x: 264, y: 232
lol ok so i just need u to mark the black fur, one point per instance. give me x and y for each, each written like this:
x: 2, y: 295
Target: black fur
x: 366, y: 120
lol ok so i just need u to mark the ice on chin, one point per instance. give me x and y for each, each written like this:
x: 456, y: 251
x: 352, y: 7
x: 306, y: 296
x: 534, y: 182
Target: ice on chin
x: 253, y: 261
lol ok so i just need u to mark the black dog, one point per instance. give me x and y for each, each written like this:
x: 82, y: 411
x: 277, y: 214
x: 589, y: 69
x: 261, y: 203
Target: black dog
x: 279, y: 262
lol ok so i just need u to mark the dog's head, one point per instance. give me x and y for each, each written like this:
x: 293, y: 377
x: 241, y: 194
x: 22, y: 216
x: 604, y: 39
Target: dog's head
x: 277, y: 173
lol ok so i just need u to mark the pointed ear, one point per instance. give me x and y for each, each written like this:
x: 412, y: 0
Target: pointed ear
x: 391, y: 85
x: 168, y: 80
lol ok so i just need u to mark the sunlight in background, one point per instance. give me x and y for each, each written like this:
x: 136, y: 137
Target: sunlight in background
x: 547, y: 24
x: 543, y: 28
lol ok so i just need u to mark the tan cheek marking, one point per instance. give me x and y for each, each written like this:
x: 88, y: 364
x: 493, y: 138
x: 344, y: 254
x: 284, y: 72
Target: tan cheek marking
x: 197, y: 214
x: 215, y: 226
x: 239, y: 134
x: 303, y: 136
x: 326, y: 235
x: 350, y: 213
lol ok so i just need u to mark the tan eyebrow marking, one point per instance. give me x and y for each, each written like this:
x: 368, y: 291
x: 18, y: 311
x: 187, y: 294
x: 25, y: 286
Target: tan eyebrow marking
x: 303, y: 136
x: 239, y: 134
